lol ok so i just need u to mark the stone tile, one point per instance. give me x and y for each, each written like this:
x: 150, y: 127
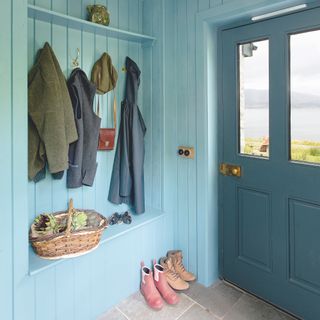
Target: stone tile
x: 135, y: 308
x: 251, y: 308
x: 218, y: 298
x: 199, y: 313
x: 112, y: 314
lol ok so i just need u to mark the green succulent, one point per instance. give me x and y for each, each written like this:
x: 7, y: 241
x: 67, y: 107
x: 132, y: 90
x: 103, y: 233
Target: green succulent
x: 47, y: 223
x: 79, y: 220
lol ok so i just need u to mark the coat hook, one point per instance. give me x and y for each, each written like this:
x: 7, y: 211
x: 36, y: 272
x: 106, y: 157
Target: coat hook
x: 75, y: 61
x: 124, y: 69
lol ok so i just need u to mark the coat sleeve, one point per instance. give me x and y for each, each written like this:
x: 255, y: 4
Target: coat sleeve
x: 125, y: 174
x: 138, y: 153
x: 36, y: 151
x: 121, y: 182
x: 46, y: 113
x: 74, y: 173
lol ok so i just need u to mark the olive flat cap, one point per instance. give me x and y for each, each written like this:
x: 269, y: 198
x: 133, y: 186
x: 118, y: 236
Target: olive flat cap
x: 104, y: 75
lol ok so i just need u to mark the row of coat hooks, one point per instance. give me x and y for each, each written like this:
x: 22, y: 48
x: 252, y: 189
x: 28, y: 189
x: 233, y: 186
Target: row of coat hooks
x: 75, y: 61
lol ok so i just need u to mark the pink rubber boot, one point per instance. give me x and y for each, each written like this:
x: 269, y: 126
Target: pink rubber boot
x: 160, y: 280
x: 149, y: 290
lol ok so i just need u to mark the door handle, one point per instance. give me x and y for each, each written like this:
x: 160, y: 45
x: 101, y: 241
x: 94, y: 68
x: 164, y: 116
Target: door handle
x: 227, y: 169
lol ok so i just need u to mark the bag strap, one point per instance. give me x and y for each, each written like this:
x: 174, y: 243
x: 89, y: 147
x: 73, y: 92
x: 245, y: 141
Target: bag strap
x: 98, y: 107
x: 114, y: 110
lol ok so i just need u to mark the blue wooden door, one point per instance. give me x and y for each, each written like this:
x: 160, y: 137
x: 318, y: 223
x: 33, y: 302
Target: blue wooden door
x: 271, y: 119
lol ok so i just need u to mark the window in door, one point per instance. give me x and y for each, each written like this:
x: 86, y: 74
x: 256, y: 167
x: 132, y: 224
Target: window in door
x: 253, y: 98
x: 305, y: 96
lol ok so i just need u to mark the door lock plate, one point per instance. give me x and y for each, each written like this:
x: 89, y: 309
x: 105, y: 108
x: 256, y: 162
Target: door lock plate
x: 227, y: 169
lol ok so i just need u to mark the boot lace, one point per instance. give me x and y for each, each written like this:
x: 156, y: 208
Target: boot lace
x: 180, y: 264
x: 170, y: 270
x: 173, y: 274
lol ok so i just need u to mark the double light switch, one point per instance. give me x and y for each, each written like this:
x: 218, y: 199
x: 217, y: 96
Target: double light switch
x: 186, y: 152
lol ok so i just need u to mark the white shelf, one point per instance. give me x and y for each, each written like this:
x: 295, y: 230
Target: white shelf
x: 79, y: 24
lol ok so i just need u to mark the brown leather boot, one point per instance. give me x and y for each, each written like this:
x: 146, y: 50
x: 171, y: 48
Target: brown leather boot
x: 172, y: 276
x: 176, y: 257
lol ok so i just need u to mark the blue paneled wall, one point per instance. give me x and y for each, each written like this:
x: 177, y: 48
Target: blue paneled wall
x: 6, y: 237
x: 13, y: 191
x: 80, y: 288
x: 84, y: 287
x: 183, y: 185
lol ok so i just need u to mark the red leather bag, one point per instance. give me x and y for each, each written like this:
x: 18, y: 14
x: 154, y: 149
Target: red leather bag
x: 107, y: 135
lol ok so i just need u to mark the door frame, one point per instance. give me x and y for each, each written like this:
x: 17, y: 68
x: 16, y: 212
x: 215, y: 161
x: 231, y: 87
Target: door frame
x: 209, y: 131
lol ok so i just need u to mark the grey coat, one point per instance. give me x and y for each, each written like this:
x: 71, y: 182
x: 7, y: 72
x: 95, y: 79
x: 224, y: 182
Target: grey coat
x: 83, y: 153
x: 127, y: 181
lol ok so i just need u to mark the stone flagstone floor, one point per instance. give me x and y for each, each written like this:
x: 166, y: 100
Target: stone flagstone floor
x: 218, y: 302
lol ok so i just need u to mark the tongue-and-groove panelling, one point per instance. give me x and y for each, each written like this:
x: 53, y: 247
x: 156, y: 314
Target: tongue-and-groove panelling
x: 6, y: 237
x: 181, y: 112
x: 84, y: 287
x: 13, y: 192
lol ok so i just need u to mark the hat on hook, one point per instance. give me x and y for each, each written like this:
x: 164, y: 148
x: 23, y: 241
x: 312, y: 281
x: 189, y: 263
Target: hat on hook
x: 104, y: 75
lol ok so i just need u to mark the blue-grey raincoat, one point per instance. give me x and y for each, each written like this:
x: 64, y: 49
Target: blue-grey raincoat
x: 127, y: 181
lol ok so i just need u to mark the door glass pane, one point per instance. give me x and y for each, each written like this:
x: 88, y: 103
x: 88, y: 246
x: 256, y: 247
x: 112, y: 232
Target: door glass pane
x: 305, y: 96
x: 254, y: 98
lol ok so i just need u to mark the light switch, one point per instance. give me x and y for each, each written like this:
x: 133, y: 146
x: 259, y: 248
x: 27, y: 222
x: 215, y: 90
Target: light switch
x: 186, y: 152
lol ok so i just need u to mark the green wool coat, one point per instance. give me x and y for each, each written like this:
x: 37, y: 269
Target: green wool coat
x: 51, y: 121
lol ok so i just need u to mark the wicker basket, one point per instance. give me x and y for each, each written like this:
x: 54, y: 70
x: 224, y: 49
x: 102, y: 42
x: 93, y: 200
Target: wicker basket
x: 69, y: 244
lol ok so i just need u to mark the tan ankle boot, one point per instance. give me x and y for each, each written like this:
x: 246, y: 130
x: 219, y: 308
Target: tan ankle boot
x: 172, y: 277
x: 176, y: 257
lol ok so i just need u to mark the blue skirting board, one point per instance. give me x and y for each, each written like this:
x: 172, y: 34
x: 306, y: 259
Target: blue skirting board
x: 37, y: 264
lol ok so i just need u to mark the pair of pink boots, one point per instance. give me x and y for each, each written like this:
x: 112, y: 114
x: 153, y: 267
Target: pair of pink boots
x: 155, y: 287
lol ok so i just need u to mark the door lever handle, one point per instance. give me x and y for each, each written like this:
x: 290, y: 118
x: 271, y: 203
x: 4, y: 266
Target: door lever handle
x: 227, y: 169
